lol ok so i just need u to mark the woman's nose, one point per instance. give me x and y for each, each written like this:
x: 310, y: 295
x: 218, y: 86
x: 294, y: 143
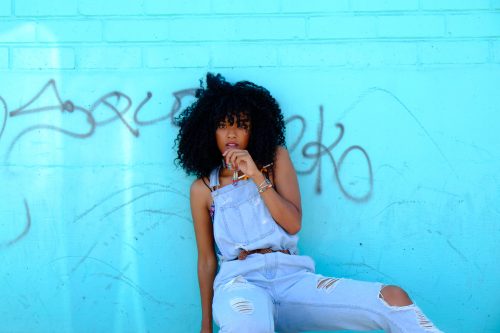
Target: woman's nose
x: 231, y: 132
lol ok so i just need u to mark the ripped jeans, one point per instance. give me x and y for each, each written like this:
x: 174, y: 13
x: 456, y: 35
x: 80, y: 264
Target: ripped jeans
x: 281, y: 292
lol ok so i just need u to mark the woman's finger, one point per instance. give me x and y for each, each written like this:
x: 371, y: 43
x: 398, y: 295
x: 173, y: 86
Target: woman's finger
x: 234, y: 152
x: 227, y: 155
x: 240, y: 157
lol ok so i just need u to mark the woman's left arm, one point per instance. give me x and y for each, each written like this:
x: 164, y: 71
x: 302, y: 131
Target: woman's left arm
x: 283, y: 200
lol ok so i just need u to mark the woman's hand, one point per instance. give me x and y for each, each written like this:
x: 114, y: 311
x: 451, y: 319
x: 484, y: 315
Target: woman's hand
x: 241, y: 159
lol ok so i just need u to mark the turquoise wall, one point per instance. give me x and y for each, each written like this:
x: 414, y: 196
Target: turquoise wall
x: 392, y: 112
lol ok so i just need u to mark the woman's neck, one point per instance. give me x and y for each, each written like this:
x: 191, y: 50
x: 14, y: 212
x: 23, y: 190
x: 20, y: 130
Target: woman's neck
x: 224, y: 172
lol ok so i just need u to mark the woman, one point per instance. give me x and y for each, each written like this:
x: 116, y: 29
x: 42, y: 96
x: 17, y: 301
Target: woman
x: 246, y: 210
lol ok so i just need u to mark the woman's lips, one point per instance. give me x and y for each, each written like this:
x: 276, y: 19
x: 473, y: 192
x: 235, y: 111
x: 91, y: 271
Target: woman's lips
x: 231, y: 145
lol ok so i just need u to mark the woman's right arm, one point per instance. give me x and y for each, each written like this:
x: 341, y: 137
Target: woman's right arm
x: 207, y: 263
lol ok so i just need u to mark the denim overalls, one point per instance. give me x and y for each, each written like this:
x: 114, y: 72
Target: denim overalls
x: 278, y: 291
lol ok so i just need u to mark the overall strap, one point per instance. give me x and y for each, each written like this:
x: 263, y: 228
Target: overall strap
x: 214, y: 178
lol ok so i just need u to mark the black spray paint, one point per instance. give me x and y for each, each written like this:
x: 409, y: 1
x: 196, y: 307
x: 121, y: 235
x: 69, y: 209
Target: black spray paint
x: 314, y: 150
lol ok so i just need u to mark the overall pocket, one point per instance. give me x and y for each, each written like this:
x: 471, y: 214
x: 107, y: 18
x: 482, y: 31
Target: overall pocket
x: 248, y: 221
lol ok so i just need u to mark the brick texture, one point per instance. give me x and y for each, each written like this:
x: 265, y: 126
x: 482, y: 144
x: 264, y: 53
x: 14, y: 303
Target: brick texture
x: 4, y: 58
x: 40, y: 58
x: 454, y: 5
x: 244, y: 55
x: 342, y: 27
x: 234, y: 29
x: 13, y: 32
x: 320, y: 6
x: 150, y: 34
x: 454, y: 52
x: 45, y: 8
x: 411, y: 26
x: 69, y: 31
x: 5, y: 8
x: 496, y: 51
x: 136, y: 30
x: 109, y: 57
x: 177, y: 56
x: 349, y: 54
x: 243, y: 7
x: 108, y: 232
x: 172, y: 7
x: 481, y: 25
x: 110, y: 7
x: 384, y: 5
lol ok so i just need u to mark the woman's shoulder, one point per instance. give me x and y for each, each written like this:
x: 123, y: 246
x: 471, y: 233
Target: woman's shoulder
x: 200, y: 186
x: 282, y: 155
x: 281, y: 151
x: 200, y: 196
x: 283, y: 168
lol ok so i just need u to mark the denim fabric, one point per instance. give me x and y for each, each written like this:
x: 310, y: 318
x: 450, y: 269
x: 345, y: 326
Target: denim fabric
x: 243, y: 222
x: 277, y: 291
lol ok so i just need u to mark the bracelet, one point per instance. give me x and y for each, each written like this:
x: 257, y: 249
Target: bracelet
x: 264, y: 185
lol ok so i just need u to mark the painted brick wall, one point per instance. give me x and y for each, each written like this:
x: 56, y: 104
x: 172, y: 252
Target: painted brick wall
x: 398, y: 32
x: 96, y: 230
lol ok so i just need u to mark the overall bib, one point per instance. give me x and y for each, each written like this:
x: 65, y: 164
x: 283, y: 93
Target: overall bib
x: 282, y: 292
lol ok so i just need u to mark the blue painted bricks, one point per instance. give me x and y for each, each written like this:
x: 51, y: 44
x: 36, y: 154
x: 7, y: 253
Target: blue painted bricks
x: 96, y: 233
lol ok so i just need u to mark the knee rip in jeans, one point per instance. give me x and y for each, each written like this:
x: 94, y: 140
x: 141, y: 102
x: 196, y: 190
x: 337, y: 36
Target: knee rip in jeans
x: 241, y: 305
x: 393, y: 297
x: 327, y: 284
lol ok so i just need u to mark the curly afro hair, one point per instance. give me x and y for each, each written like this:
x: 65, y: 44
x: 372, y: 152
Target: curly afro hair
x: 197, y: 151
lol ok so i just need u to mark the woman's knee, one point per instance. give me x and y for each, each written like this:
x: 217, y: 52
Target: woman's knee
x: 395, y: 296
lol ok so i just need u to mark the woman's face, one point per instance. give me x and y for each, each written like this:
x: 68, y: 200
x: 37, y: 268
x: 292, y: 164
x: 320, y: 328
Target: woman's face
x: 232, y: 136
